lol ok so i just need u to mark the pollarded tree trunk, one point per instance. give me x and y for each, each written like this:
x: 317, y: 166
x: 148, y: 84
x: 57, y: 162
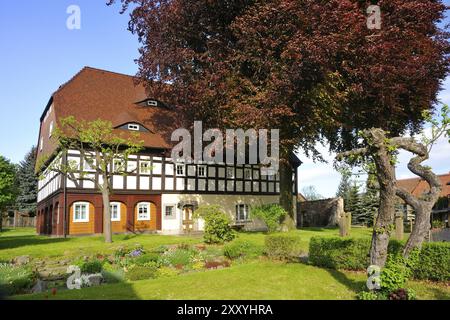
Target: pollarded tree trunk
x: 386, y: 180
x: 422, y: 206
x: 286, y: 197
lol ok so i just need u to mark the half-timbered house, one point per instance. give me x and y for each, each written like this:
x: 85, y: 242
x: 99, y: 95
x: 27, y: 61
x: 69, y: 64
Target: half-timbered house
x: 158, y: 194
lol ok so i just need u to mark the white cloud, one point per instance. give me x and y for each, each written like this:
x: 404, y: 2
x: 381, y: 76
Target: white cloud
x: 326, y: 179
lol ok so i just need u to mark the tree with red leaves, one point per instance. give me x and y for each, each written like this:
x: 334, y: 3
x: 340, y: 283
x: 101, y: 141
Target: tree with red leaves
x: 310, y: 68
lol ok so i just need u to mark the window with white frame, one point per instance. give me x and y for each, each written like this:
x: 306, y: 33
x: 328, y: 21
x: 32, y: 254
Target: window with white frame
x: 115, y: 211
x: 118, y: 165
x: 169, y: 211
x: 81, y: 212
x: 50, y: 130
x: 242, y: 212
x: 230, y: 173
x: 144, y: 167
x: 41, y: 144
x: 248, y: 173
x: 87, y: 164
x: 133, y: 126
x: 180, y: 169
x: 202, y: 171
x: 143, y: 211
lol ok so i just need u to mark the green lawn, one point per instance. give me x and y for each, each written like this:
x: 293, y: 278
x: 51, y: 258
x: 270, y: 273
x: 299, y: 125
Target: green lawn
x: 24, y: 241
x: 257, y: 280
x: 260, y: 279
x: 19, y: 242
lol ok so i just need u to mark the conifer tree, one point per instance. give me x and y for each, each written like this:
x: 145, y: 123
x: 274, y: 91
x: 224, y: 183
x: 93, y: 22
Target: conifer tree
x: 27, y: 183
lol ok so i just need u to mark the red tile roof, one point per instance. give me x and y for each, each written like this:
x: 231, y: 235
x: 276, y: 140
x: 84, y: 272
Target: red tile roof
x: 418, y: 186
x: 98, y: 94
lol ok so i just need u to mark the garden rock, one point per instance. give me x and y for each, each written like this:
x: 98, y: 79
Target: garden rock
x: 52, y: 274
x: 39, y: 287
x: 21, y: 260
x: 95, y: 279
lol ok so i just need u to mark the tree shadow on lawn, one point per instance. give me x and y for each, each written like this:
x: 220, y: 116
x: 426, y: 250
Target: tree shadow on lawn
x: 318, y: 229
x: 20, y: 241
x: 352, y: 284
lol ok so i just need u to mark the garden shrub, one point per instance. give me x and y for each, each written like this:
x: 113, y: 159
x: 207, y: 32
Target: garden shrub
x: 339, y: 253
x: 283, y: 246
x: 113, y: 276
x: 433, y: 262
x: 241, y: 249
x: 166, y: 272
x: 15, y: 279
x: 141, y: 273
x: 89, y: 266
x: 178, y: 257
x: 217, y: 224
x: 394, y: 274
x: 146, y: 258
x: 93, y: 266
x: 271, y: 214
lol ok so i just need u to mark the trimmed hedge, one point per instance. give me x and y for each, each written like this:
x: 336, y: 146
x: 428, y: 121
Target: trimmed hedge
x: 283, y: 246
x: 339, y: 253
x: 433, y: 262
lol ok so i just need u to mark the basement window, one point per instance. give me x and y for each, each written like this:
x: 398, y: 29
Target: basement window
x: 242, y: 212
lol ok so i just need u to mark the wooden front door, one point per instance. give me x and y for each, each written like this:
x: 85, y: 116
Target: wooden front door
x: 188, y: 221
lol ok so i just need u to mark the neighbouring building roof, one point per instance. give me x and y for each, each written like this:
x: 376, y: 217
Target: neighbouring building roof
x: 418, y: 186
x: 98, y: 94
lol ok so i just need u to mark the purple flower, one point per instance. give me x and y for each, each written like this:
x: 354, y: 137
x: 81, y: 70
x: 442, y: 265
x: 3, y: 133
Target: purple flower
x: 135, y: 253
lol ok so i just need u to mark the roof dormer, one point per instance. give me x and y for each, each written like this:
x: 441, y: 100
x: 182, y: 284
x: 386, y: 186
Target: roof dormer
x: 151, y: 103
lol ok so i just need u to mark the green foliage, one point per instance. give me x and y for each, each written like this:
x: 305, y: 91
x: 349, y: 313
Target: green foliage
x: 90, y: 266
x: 8, y: 185
x: 352, y: 202
x: 141, y: 273
x: 438, y: 224
x: 433, y: 262
x: 146, y: 258
x: 166, y: 272
x: 15, y: 279
x: 368, y: 207
x: 217, y: 224
x: 27, y: 183
x: 283, y: 247
x: 241, y: 249
x: 211, y: 253
x: 271, y: 214
x: 367, y: 295
x: 339, y: 253
x: 113, y: 276
x: 178, y: 258
x: 394, y: 274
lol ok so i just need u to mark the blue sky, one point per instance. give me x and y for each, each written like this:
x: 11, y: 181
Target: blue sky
x: 39, y: 53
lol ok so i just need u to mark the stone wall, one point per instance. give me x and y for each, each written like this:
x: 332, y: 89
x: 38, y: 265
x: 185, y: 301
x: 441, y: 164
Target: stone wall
x: 319, y: 213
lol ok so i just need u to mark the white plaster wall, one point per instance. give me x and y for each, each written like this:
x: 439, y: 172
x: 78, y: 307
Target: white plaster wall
x: 227, y: 202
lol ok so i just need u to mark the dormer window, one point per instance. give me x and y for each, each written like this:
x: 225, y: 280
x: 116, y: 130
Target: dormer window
x: 133, y: 126
x: 152, y: 103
